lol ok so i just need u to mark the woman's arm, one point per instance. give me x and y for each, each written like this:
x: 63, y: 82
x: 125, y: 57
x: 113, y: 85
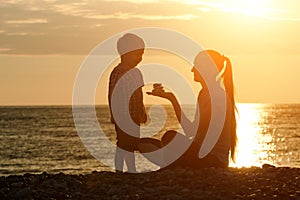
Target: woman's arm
x: 187, y: 126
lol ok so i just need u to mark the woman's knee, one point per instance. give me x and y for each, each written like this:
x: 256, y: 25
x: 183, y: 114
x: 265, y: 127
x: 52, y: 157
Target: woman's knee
x: 149, y: 144
x: 168, y: 137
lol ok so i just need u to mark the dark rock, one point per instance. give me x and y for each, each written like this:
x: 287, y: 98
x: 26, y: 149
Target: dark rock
x: 4, y: 190
x: 164, y: 188
x: 24, y: 194
x: 111, y: 191
x: 173, y: 196
x: 3, y: 196
x: 149, y: 190
x: 27, y: 175
x: 77, y: 195
x: 12, y: 179
x: 45, y: 174
x: 269, y: 169
x: 60, y: 195
x: 3, y: 183
x: 59, y: 185
x: 270, y: 174
x: 75, y: 185
x: 36, y: 180
x: 17, y: 184
x: 268, y: 166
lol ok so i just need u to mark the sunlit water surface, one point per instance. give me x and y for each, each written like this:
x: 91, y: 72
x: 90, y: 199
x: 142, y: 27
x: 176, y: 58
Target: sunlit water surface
x: 268, y: 134
x: 37, y: 139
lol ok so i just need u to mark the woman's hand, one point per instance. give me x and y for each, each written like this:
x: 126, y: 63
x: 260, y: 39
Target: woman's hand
x: 165, y: 95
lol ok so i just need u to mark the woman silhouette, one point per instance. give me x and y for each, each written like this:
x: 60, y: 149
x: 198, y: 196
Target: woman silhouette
x: 226, y: 143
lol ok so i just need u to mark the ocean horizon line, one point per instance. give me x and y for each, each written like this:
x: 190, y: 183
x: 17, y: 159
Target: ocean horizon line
x: 148, y: 104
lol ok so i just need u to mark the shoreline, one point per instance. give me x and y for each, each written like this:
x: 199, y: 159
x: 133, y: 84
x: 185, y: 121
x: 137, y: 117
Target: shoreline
x: 266, y: 182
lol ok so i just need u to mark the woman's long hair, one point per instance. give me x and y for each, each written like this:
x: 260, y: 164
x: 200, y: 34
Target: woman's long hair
x: 226, y: 75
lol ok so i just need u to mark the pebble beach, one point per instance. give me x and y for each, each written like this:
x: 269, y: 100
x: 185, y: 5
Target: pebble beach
x: 266, y: 182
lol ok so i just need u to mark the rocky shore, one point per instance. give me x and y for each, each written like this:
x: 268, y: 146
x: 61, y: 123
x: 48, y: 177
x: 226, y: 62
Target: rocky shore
x: 267, y: 182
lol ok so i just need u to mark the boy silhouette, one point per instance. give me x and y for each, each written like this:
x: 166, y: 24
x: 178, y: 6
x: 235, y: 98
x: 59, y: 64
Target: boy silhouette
x: 131, y: 49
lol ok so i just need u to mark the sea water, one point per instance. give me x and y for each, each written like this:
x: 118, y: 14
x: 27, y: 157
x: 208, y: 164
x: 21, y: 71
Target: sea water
x: 34, y: 139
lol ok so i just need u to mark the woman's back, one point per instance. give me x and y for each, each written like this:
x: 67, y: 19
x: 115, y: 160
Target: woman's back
x: 222, y: 147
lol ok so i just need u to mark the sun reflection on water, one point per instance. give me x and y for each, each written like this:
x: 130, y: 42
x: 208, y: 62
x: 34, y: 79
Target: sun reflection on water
x: 252, y: 147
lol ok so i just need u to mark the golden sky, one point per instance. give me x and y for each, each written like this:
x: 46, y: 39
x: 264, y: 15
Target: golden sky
x: 44, y: 42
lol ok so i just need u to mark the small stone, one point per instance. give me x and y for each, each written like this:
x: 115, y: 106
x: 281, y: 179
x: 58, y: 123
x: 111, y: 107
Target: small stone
x: 174, y: 197
x: 149, y: 190
x: 27, y: 175
x: 111, y: 191
x: 75, y: 184
x: 185, y: 190
x: 268, y: 166
x: 45, y: 174
x: 227, y: 173
x: 18, y: 184
x: 78, y: 194
x: 60, y: 195
x: 12, y: 179
x: 60, y: 185
x: 3, y: 184
x: 270, y: 175
x: 36, y: 180
x: 3, y: 196
x: 190, y: 173
x: 4, y: 190
x: 252, y: 195
x: 24, y: 194
x: 164, y: 188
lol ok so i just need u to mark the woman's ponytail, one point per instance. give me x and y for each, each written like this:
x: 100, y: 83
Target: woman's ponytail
x: 229, y: 87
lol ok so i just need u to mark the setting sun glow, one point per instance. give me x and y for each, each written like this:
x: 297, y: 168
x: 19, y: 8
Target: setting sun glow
x: 247, y: 7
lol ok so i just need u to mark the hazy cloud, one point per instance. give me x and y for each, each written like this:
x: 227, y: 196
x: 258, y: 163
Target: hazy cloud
x: 4, y: 49
x: 121, y: 15
x: 16, y: 33
x: 24, y: 34
x: 27, y: 21
x: 75, y: 27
